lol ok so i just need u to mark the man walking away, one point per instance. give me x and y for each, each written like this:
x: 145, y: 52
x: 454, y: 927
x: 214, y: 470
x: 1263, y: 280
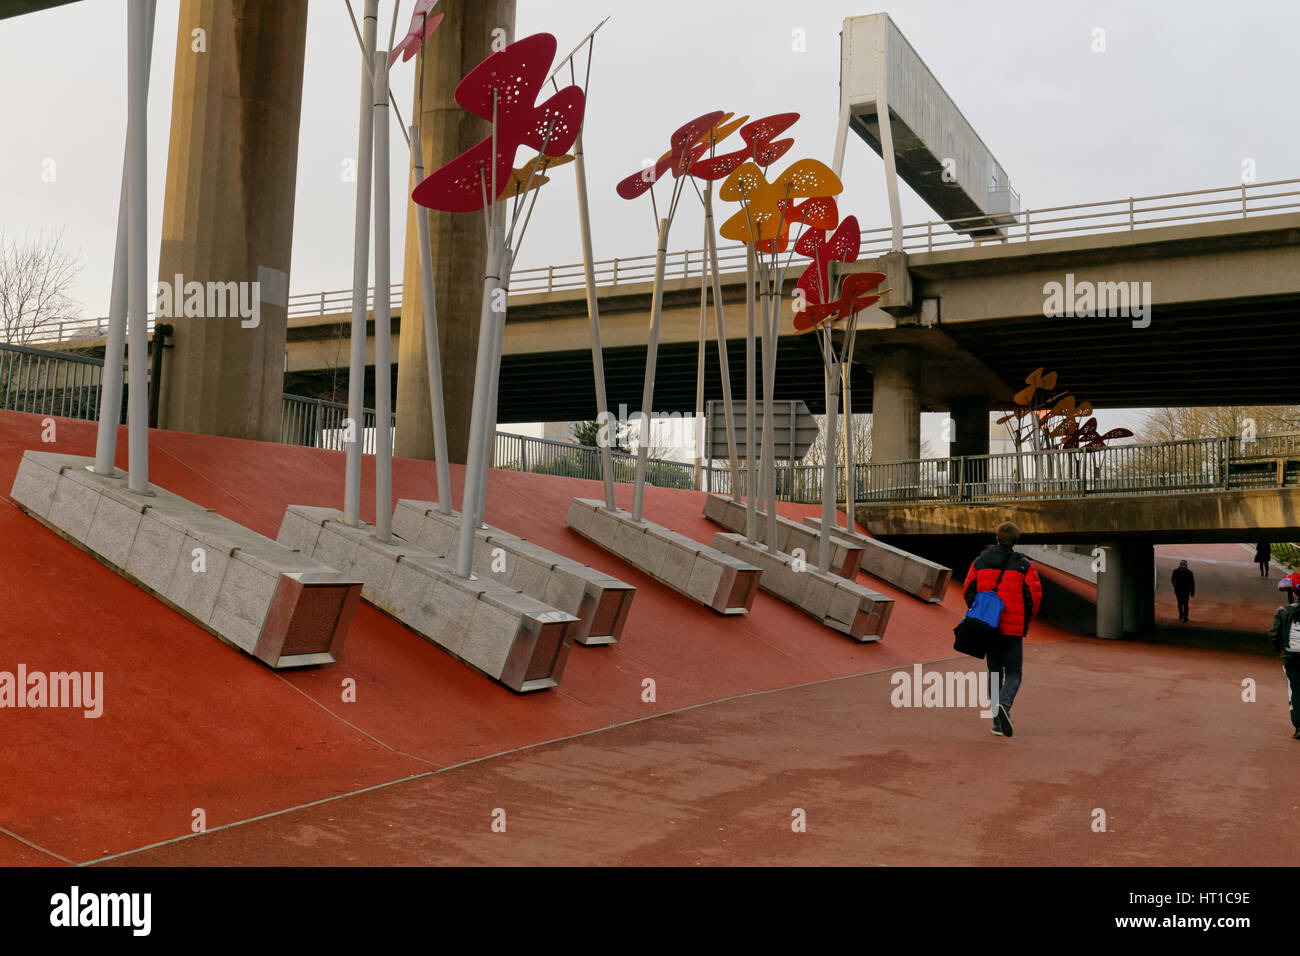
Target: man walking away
x: 1016, y: 581
x: 1263, y: 554
x: 1285, y: 635
x: 1184, y: 583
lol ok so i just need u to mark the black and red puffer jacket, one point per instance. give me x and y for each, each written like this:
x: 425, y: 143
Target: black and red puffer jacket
x: 1021, y: 590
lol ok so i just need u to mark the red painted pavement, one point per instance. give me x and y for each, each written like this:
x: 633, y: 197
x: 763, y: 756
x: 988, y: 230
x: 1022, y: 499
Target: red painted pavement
x: 192, y: 724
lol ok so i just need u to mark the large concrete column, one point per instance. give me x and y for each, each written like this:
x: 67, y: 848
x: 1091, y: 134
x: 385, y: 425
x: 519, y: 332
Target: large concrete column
x: 228, y: 213
x: 970, y: 436
x: 970, y: 425
x: 895, y: 403
x: 1110, y: 593
x: 1139, y: 586
x: 459, y: 254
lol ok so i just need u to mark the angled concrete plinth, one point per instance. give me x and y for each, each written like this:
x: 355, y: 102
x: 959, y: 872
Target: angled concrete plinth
x: 729, y: 513
x: 493, y: 627
x: 283, y: 607
x: 904, y: 570
x: 840, y: 603
x: 599, y: 601
x: 704, y: 574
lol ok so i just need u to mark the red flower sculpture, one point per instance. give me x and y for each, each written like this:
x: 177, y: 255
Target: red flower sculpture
x: 686, y: 146
x: 511, y: 78
x: 855, y: 295
x: 419, y: 30
x: 1085, y: 436
x: 843, y: 246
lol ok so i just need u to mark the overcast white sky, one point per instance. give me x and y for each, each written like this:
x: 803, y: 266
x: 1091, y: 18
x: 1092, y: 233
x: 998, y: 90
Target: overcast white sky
x: 1183, y: 93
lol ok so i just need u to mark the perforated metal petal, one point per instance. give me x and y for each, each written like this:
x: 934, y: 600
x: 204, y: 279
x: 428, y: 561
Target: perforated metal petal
x: 809, y: 177
x: 817, y: 212
x: 416, y: 35
x: 515, y: 73
x: 459, y: 186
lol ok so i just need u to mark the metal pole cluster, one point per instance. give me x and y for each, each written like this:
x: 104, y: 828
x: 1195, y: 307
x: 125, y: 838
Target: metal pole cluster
x: 110, y: 403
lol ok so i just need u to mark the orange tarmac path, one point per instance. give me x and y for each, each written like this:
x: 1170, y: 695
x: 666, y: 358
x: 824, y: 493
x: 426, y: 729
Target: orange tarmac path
x: 794, y: 716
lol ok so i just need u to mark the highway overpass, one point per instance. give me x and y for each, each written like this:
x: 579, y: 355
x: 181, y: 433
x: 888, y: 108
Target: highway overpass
x: 1218, y: 269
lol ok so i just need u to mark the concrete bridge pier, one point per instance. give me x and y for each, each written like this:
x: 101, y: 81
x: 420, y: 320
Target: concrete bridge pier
x: 896, y: 403
x: 1139, y: 586
x: 1126, y: 588
x: 1110, y: 592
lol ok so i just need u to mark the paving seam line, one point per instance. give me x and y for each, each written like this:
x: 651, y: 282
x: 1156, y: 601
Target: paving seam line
x: 513, y: 750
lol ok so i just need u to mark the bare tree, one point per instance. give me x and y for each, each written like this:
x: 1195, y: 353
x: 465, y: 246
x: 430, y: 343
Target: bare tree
x: 1184, y: 424
x: 35, y: 279
x: 861, y: 441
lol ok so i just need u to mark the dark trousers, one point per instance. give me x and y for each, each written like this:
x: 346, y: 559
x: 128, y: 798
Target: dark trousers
x: 1006, y: 657
x: 1291, y: 665
x: 1183, y: 600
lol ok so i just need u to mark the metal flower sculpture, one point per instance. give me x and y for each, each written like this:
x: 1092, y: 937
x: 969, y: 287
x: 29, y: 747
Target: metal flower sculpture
x: 763, y: 224
x: 686, y: 145
x: 503, y: 89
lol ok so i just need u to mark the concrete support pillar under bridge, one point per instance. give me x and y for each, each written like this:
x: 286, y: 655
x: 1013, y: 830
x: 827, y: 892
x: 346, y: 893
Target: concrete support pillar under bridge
x: 1126, y: 588
x: 228, y: 212
x: 895, y: 403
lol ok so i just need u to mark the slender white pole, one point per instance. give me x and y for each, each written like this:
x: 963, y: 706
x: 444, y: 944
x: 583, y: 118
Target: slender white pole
x: 828, y: 469
x: 110, y: 382
x: 360, y: 278
x: 478, y: 409
x: 490, y: 420
x: 432, y: 351
x: 137, y: 294
x: 593, y: 318
x: 720, y: 327
x: 383, y: 311
x: 751, y: 484
x: 651, y: 358
x: 770, y: 304
x: 848, y: 448
x: 699, y: 369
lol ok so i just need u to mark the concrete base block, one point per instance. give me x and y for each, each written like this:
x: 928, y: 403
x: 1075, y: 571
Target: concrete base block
x: 279, y: 605
x: 729, y: 513
x: 839, y: 603
x: 704, y: 574
x: 905, y: 571
x: 600, y: 602
x: 494, y: 628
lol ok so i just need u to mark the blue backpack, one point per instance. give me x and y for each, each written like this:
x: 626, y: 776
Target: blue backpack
x: 980, y: 625
x: 987, y: 606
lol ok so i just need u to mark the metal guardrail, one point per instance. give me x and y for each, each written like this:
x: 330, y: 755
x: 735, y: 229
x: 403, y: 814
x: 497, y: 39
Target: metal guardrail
x: 1116, y: 215
x: 1211, y: 464
x: 52, y: 383
x: 320, y: 423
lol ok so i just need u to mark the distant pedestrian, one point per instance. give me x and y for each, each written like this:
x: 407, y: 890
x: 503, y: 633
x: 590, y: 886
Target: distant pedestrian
x: 1184, y: 583
x: 1285, y: 635
x: 1013, y: 576
x: 1263, y: 554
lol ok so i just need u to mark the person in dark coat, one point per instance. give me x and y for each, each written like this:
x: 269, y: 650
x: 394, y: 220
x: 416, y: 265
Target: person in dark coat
x: 1021, y: 592
x: 1263, y: 554
x: 1184, y: 583
x: 1285, y: 635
